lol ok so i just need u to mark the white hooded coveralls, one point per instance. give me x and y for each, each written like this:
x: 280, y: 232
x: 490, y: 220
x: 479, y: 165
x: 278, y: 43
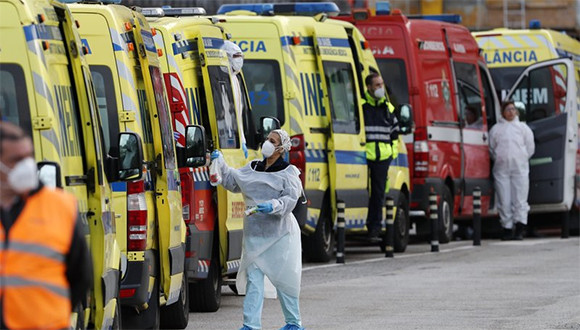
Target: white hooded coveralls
x: 511, y: 146
x: 231, y: 49
x: 271, y: 241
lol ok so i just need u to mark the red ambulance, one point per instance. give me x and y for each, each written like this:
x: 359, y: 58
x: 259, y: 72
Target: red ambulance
x: 434, y: 65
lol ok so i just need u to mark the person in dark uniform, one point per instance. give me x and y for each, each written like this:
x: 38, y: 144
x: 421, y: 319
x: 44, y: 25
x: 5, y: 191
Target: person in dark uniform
x: 382, y: 146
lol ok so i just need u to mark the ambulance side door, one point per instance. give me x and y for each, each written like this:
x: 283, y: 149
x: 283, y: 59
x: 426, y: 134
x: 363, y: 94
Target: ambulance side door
x: 548, y: 90
x: 345, y: 146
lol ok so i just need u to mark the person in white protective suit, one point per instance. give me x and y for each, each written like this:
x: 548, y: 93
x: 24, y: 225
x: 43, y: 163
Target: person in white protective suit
x: 511, y: 146
x: 271, y: 245
x: 236, y: 58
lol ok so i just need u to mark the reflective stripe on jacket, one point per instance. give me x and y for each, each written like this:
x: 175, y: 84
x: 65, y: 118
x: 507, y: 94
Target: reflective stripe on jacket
x: 34, y: 288
x: 381, y: 128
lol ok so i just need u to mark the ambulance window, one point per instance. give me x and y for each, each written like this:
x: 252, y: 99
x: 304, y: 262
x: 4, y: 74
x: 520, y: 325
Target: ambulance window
x: 225, y: 110
x: 247, y: 120
x: 395, y: 76
x: 164, y: 118
x: 105, y: 92
x: 467, y: 73
x: 543, y: 91
x: 14, y: 97
x: 342, y: 98
x: 487, y: 97
x: 469, y: 95
x: 265, y: 88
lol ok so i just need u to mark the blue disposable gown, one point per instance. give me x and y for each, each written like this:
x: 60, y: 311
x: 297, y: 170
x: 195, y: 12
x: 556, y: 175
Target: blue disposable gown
x: 271, y: 241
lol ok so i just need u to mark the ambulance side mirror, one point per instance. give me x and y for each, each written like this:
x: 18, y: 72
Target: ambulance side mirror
x: 268, y: 124
x: 49, y: 174
x: 130, y: 160
x: 405, y: 119
x: 195, y: 146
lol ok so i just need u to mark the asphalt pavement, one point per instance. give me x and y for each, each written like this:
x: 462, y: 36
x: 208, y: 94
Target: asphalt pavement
x: 530, y: 284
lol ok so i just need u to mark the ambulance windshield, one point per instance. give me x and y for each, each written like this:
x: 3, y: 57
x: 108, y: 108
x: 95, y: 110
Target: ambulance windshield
x: 395, y: 77
x: 265, y: 88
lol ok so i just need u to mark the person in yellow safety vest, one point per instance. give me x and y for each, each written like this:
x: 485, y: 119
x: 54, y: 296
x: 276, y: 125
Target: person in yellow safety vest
x: 45, y: 266
x: 382, y: 133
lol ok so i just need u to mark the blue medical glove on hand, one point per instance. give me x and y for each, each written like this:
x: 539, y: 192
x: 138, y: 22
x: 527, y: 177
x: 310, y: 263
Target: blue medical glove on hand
x: 265, y: 207
x: 215, y: 154
x: 245, y: 149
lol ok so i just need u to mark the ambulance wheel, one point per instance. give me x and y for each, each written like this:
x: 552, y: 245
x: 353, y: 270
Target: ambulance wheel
x: 445, y: 211
x: 206, y: 295
x: 402, y: 224
x: 146, y: 319
x: 176, y: 315
x: 319, y: 247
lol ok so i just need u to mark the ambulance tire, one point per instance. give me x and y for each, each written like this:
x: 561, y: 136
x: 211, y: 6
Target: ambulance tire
x: 402, y: 224
x: 176, y: 315
x: 319, y: 246
x: 147, y: 319
x: 445, y: 210
x: 206, y: 295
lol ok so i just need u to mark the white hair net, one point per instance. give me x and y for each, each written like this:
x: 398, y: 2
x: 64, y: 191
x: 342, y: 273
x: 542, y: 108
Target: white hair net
x: 284, y: 139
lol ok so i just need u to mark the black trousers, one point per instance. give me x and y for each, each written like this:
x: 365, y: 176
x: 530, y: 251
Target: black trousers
x: 378, y: 171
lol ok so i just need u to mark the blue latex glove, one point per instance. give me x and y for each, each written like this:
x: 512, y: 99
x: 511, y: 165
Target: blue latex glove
x: 215, y: 154
x: 265, y: 207
x: 245, y: 149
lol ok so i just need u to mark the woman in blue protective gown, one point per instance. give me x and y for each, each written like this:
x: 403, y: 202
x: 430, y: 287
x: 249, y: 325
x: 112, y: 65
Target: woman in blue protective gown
x: 271, y: 254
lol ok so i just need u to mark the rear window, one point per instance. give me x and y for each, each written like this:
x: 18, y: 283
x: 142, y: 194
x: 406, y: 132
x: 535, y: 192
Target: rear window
x: 265, y: 89
x: 105, y: 92
x: 341, y: 90
x: 14, y: 106
x: 224, y: 106
x: 164, y: 118
x: 395, y: 76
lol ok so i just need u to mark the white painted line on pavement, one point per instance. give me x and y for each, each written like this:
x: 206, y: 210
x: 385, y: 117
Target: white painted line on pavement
x: 384, y: 259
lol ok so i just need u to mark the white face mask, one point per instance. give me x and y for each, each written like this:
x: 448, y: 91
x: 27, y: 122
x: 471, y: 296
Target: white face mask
x: 380, y: 93
x: 237, y: 63
x: 268, y: 149
x: 22, y: 178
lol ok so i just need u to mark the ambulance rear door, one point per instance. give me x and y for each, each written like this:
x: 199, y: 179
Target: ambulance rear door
x: 221, y: 110
x: 345, y: 146
x: 549, y: 92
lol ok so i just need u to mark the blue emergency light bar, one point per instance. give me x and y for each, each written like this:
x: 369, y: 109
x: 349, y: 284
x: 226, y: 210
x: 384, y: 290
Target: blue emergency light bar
x: 448, y: 18
x: 168, y: 11
x: 299, y: 8
x: 383, y: 8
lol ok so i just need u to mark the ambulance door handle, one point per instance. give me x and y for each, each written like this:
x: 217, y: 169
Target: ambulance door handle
x: 362, y: 144
x: 484, y: 137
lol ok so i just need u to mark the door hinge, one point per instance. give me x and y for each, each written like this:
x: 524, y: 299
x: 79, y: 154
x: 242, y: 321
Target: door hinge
x: 125, y: 116
x: 42, y: 122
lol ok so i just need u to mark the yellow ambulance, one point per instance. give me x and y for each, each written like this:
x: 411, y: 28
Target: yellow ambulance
x: 46, y: 88
x: 197, y: 77
x: 131, y: 97
x: 550, y: 106
x: 308, y: 72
